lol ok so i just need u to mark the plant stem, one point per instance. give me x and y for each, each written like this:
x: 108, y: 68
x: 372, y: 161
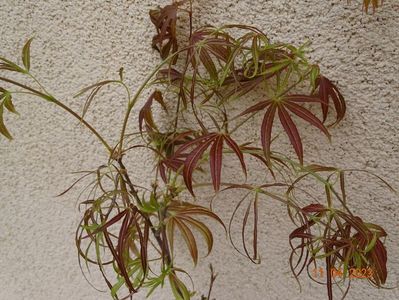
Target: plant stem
x: 242, y: 122
x: 60, y: 104
x: 277, y: 96
x: 213, y: 278
x: 133, y: 101
x: 52, y: 99
x: 40, y: 94
x: 162, y: 242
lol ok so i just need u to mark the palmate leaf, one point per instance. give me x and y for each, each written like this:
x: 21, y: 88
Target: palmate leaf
x: 172, y: 163
x: 208, y: 51
x: 262, y: 60
x: 234, y: 66
x: 215, y: 141
x: 179, y: 289
x: 283, y: 107
x: 240, y: 84
x: 145, y: 114
x: 210, y: 48
x: 133, y: 228
x: 179, y: 215
x: 343, y: 240
x: 327, y: 90
x: 165, y: 19
x: 368, y: 243
x: 165, y: 143
x: 252, y: 208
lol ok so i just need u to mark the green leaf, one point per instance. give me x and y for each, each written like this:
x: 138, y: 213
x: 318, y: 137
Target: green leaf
x: 26, y: 54
x: 3, y: 129
x: 121, y: 280
x: 10, y: 66
x: 179, y: 289
x: 314, y: 74
x: 8, y: 103
x: 277, y: 66
x: 150, y: 206
x: 154, y: 283
x: 357, y: 259
x: 115, y: 288
x: 372, y: 243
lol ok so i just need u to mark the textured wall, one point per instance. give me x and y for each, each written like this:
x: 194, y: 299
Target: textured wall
x: 80, y: 42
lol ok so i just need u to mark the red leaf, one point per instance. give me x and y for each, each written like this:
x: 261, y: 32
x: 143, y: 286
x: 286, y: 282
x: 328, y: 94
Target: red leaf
x: 303, y: 98
x: 191, y: 162
x: 215, y: 157
x: 379, y: 258
x: 307, y: 116
x: 165, y: 19
x: 145, y: 113
x: 266, y: 130
x: 194, y: 142
x: 261, y: 158
x: 314, y: 207
x: 233, y: 145
x: 200, y: 145
x: 257, y: 107
x: 292, y: 132
x: 108, y: 223
x: 326, y: 90
x: 290, y: 103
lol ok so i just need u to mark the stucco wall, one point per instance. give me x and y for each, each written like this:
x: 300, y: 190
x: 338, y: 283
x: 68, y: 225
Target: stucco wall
x: 79, y: 42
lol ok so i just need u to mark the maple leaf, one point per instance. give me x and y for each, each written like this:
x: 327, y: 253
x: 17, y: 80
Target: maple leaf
x: 215, y: 142
x: 283, y: 107
x: 179, y: 215
x: 145, y: 114
x: 165, y: 19
x: 327, y: 90
x: 346, y: 241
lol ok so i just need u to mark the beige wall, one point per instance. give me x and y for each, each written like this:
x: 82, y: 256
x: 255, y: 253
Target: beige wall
x: 79, y: 42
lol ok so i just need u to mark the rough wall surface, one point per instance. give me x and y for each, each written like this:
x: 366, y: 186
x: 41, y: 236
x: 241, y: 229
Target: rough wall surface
x: 79, y: 42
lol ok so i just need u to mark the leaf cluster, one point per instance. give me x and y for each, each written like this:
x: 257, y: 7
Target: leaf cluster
x: 129, y: 230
